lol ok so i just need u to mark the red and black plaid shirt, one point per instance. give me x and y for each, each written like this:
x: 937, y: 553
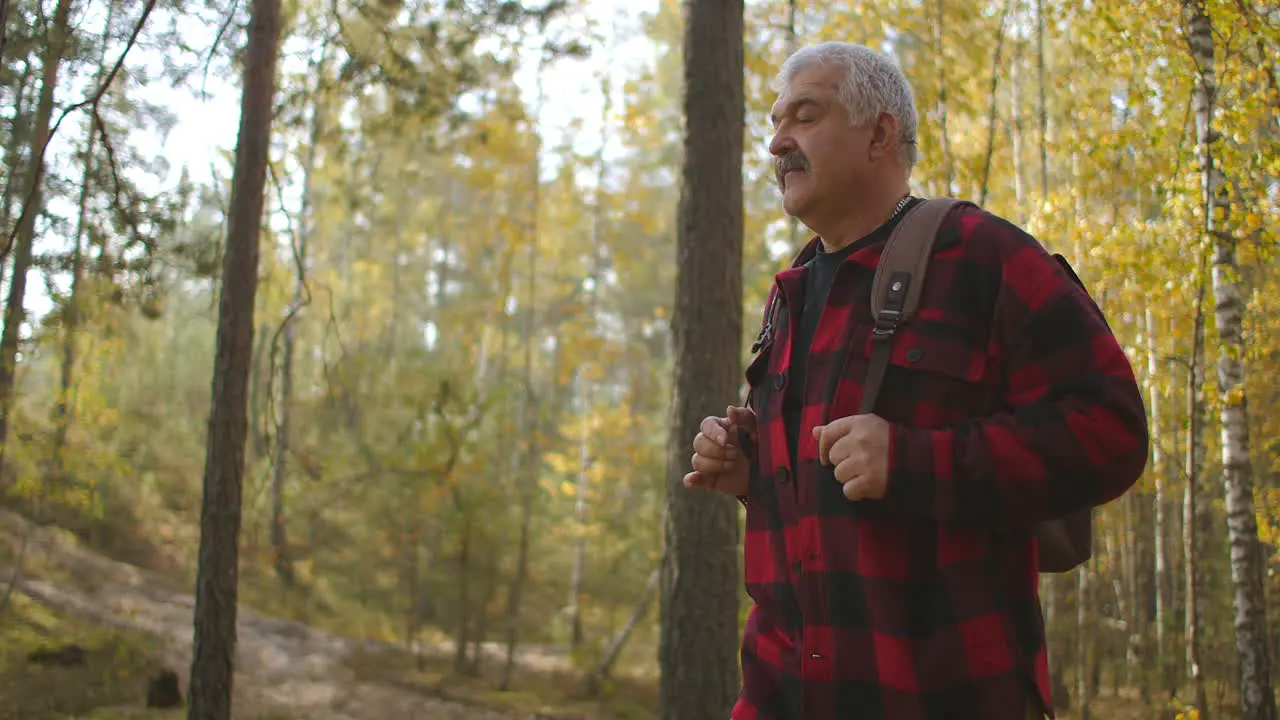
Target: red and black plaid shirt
x: 1010, y: 402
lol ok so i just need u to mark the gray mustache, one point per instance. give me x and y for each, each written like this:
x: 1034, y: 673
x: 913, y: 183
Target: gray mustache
x: 794, y: 160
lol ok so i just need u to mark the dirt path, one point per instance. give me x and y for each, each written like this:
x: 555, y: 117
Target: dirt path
x: 280, y: 665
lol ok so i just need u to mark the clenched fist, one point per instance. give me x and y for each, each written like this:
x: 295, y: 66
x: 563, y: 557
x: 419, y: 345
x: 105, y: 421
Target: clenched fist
x: 719, y: 461
x: 858, y: 447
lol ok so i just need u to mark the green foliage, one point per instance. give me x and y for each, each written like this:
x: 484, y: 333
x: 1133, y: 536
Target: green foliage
x: 115, y: 670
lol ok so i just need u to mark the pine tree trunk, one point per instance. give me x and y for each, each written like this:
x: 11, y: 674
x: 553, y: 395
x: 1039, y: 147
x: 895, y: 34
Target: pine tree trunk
x: 63, y: 412
x: 1256, y: 698
x: 14, y: 162
x: 698, y: 645
x: 215, y: 609
x: 31, y: 202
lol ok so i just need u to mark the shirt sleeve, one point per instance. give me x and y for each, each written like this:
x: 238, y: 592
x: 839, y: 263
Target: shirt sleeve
x: 1075, y: 432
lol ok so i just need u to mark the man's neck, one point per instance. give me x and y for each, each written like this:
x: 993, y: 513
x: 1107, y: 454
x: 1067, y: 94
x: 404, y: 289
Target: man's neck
x: 859, y: 221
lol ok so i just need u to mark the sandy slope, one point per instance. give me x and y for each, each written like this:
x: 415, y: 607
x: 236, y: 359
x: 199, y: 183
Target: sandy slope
x: 280, y: 665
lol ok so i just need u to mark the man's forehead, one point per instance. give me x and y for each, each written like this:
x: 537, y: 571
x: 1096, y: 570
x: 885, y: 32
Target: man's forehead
x: 812, y: 84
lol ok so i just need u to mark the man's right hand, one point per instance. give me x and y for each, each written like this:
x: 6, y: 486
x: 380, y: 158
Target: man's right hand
x: 719, y: 461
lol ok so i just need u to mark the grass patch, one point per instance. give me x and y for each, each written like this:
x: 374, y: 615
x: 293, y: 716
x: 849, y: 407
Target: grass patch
x: 113, y: 674
x: 545, y: 694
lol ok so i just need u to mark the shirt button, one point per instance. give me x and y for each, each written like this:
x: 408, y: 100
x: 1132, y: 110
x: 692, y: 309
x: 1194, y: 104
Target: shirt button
x: 914, y: 355
x: 781, y: 474
x: 779, y: 380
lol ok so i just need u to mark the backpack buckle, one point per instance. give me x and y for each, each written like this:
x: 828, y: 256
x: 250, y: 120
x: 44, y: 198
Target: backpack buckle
x: 886, y: 323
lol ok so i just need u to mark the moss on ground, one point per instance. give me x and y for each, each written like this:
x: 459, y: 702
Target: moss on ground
x: 542, y: 694
x: 114, y: 673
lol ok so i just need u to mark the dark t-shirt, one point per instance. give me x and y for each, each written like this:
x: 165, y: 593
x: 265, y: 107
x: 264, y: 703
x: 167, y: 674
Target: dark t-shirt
x: 822, y: 272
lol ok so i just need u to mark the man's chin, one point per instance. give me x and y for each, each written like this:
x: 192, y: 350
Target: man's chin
x: 791, y: 204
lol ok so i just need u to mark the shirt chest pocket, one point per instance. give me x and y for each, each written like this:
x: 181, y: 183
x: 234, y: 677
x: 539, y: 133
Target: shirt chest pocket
x: 939, y: 373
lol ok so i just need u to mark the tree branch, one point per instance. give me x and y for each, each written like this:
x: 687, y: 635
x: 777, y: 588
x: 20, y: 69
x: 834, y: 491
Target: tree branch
x: 117, y: 187
x: 91, y: 101
x: 213, y: 49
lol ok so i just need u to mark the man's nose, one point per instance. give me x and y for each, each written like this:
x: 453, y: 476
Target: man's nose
x: 781, y: 144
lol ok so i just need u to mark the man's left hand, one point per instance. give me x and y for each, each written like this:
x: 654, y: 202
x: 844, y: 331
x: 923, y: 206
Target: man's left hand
x: 858, y: 447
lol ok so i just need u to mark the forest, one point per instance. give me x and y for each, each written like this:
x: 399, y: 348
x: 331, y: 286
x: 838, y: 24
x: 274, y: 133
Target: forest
x: 348, y: 371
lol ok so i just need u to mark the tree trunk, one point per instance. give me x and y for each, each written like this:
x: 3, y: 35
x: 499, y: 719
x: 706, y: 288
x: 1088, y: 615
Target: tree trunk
x: 601, y: 671
x: 215, y: 609
x: 700, y: 580
x: 993, y: 108
x: 279, y: 537
x: 63, y: 411
x: 1257, y: 702
x: 32, y: 202
x: 482, y: 611
x: 586, y: 381
x: 1160, y: 531
x: 1083, y: 637
x: 940, y: 68
x: 13, y: 160
x: 1015, y: 126
x: 531, y: 459
x: 580, y: 516
x: 463, y: 626
x: 793, y: 44
x: 1190, y: 512
x: 1042, y: 106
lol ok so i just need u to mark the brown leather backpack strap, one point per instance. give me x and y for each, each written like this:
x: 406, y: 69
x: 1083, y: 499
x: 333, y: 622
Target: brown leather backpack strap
x: 895, y: 291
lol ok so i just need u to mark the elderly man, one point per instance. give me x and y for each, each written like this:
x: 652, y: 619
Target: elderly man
x: 890, y: 555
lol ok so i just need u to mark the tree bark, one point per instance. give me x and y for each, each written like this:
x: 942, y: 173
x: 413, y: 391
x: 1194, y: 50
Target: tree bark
x: 1015, y: 126
x: 793, y: 44
x: 13, y: 159
x: 586, y: 381
x: 215, y: 608
x: 283, y: 562
x: 600, y: 673
x: 32, y: 202
x: 63, y: 409
x: 1257, y: 701
x: 1190, y: 512
x: 940, y: 67
x: 700, y: 579
x: 1042, y: 106
x: 1160, y: 531
x: 531, y: 458
x: 1084, y: 637
x: 993, y: 107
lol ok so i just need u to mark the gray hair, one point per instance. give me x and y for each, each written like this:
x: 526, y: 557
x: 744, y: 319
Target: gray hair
x: 872, y: 84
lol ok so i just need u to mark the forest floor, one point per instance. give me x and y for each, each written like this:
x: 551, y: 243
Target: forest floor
x: 132, y: 624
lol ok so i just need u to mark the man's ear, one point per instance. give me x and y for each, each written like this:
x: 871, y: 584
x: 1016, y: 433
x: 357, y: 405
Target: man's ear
x: 884, y: 136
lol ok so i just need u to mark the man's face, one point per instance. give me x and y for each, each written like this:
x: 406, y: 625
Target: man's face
x: 820, y: 160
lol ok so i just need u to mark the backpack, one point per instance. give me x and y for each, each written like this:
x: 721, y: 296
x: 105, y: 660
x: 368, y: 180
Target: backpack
x: 1064, y: 543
